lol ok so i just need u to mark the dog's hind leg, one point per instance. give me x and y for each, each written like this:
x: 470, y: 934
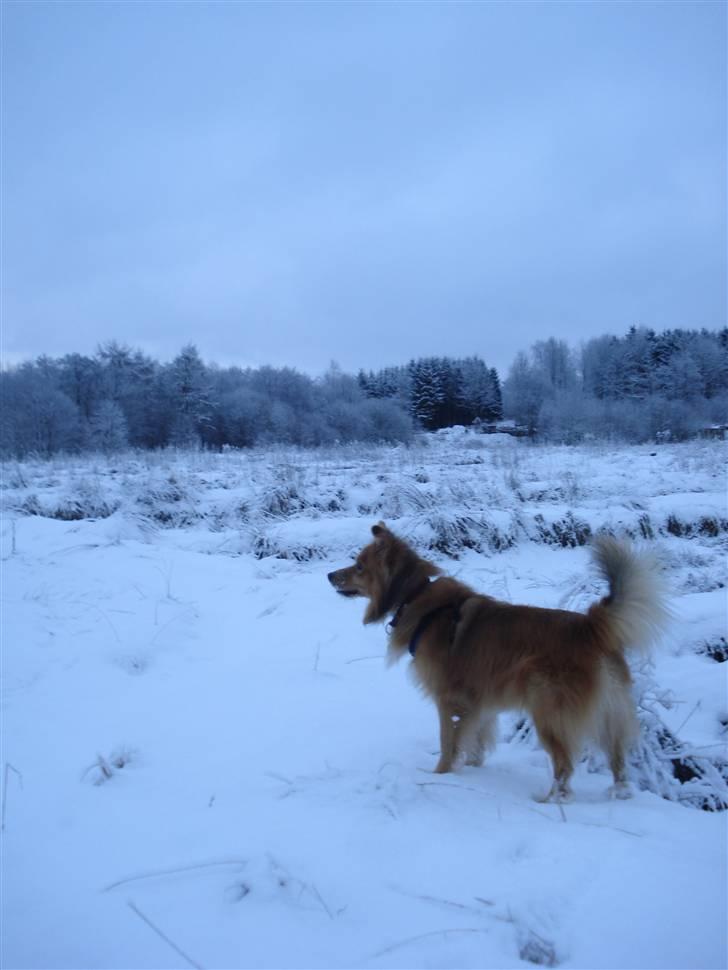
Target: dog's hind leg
x: 558, y: 747
x: 617, y: 729
x: 621, y: 787
x: 482, y: 739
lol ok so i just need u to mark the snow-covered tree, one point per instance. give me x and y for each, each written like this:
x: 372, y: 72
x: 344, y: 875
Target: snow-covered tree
x: 189, y: 389
x: 524, y: 392
x: 480, y: 394
x: 108, y: 431
x: 554, y: 361
x: 36, y: 415
x: 428, y: 391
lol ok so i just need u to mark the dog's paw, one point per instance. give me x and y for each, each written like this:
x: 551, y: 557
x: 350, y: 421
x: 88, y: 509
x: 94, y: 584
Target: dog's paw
x: 620, y: 790
x: 557, y: 796
x: 442, y: 768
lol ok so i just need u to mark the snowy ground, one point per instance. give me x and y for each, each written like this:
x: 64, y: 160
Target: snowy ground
x: 206, y: 762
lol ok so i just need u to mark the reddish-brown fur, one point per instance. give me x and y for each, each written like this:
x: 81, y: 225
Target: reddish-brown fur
x: 478, y: 655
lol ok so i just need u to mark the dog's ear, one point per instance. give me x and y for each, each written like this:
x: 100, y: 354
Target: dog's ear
x: 380, y: 531
x: 382, y: 538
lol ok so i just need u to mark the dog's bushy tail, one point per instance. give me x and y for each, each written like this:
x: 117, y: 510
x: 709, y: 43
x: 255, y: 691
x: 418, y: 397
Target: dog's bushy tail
x: 635, y: 607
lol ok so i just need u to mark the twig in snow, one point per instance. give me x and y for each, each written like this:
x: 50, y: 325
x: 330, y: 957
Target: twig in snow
x: 422, y: 936
x: 187, y: 611
x: 273, y: 774
x: 290, y: 786
x: 104, y: 616
x: 172, y: 872
x: 356, y: 660
x: 166, y: 575
x: 320, y: 898
x: 537, y: 811
x: 445, y: 784
x: 440, y: 901
x: 103, y: 765
x: 135, y: 909
x: 6, y: 775
x: 697, y: 705
x: 615, y: 828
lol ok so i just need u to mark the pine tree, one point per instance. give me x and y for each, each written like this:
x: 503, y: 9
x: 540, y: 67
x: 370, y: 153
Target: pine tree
x: 496, y: 409
x: 189, y: 387
x: 427, y: 391
x: 635, y: 364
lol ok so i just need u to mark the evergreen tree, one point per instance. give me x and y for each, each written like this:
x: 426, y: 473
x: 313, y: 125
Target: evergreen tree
x: 190, y: 392
x: 427, y: 392
x: 480, y: 395
x: 496, y: 410
x: 636, y: 354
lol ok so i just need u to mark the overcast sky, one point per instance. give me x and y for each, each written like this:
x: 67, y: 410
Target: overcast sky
x: 365, y: 182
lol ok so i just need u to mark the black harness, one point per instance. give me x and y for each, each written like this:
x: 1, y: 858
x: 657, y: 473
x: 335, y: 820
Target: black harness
x: 398, y: 613
x: 425, y: 621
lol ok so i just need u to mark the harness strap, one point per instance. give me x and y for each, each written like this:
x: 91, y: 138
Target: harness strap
x: 398, y: 614
x: 427, y: 619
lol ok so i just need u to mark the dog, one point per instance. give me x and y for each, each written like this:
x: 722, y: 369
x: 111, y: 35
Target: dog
x: 475, y: 655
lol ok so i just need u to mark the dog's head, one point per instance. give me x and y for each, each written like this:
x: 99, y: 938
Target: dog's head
x: 383, y: 573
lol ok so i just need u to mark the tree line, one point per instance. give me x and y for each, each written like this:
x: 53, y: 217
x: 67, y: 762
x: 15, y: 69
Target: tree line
x: 121, y: 398
x: 439, y: 392
x: 636, y: 387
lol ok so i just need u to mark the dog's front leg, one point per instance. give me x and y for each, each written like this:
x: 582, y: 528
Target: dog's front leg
x: 447, y: 739
x: 454, y: 726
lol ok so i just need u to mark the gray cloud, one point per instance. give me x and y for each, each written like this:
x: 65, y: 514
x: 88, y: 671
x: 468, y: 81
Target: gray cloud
x: 292, y: 183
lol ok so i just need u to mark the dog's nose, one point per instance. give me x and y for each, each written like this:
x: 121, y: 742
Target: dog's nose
x: 330, y: 578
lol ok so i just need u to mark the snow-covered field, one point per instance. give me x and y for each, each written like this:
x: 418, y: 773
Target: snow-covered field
x: 206, y: 762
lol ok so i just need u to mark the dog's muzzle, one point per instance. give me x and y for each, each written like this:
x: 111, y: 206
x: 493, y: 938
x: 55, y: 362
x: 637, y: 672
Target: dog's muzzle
x: 333, y: 578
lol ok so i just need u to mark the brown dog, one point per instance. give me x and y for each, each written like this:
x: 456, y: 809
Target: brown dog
x: 475, y: 655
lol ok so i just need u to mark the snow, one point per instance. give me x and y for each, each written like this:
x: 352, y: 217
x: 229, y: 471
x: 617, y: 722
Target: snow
x: 208, y: 762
